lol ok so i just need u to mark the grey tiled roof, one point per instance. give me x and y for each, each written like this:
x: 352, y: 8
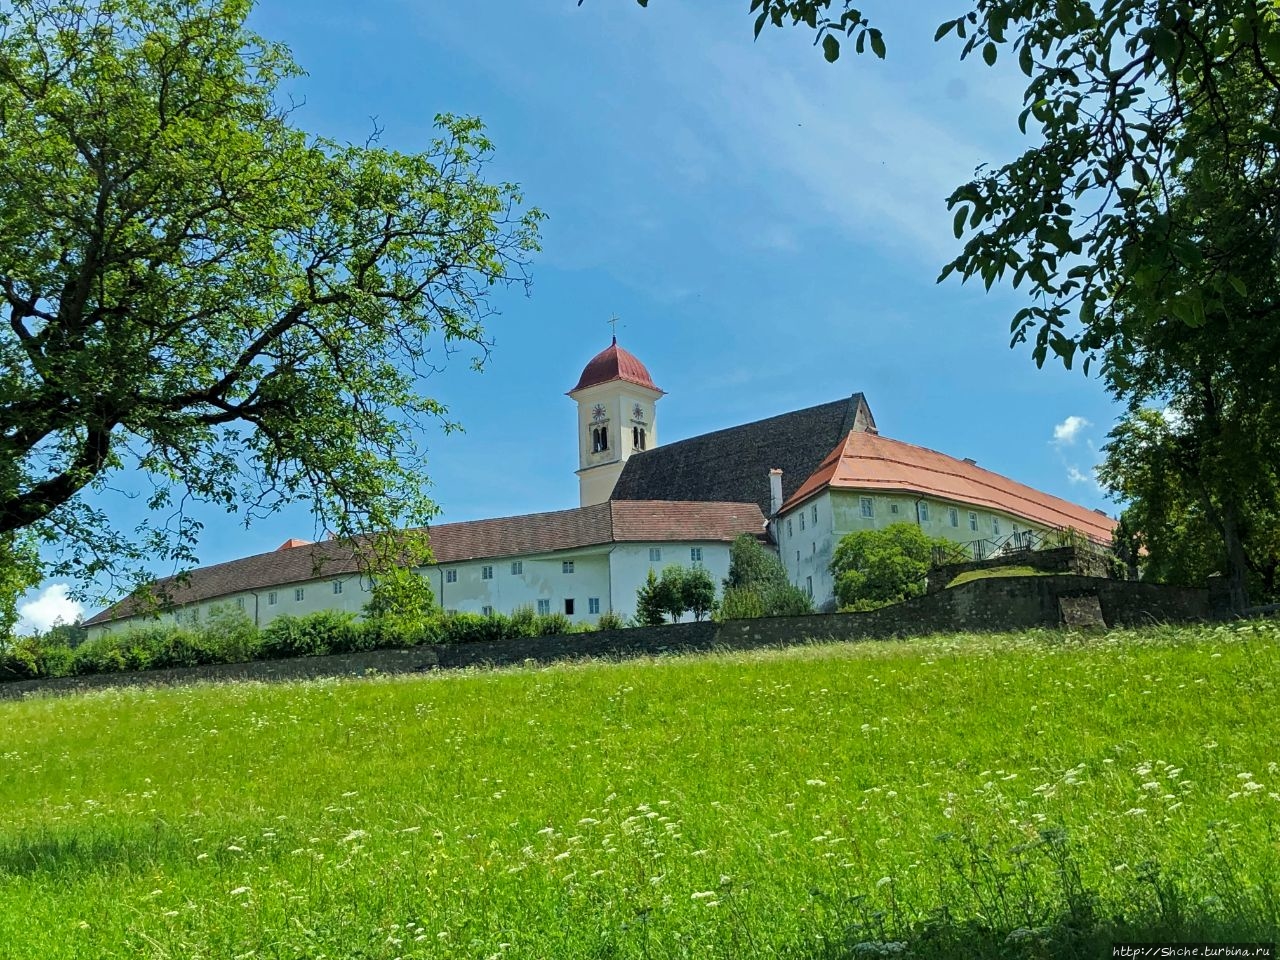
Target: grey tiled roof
x: 734, y: 464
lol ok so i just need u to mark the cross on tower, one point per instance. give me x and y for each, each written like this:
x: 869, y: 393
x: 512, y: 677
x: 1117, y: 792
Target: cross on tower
x: 613, y: 322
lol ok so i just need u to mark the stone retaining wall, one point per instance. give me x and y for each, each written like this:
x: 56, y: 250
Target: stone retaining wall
x: 989, y: 605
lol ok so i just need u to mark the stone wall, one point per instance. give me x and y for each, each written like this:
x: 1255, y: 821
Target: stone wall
x: 1081, y: 561
x: 988, y: 605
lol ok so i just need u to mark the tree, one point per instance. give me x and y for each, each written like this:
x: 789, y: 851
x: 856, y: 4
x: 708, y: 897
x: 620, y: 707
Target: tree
x: 401, y: 600
x: 1111, y: 91
x: 198, y: 291
x: 874, y: 568
x: 651, y: 602
x: 757, y: 584
x: 697, y: 592
x: 1196, y: 454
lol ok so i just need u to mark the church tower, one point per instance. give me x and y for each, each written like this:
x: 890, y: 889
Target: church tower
x: 617, y: 416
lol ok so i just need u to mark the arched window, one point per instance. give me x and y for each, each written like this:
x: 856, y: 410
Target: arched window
x: 604, y: 438
x: 642, y: 440
x: 635, y: 437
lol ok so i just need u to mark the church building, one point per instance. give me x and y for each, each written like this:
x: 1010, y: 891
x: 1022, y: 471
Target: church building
x: 798, y: 481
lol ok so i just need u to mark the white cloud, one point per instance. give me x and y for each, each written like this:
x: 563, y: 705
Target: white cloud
x: 1076, y: 475
x: 51, y: 606
x: 1067, y: 432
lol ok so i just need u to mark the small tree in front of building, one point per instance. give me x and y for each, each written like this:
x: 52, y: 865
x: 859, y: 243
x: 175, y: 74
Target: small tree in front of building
x: 874, y: 568
x: 650, y: 608
x: 757, y: 585
x: 678, y: 590
x: 698, y: 592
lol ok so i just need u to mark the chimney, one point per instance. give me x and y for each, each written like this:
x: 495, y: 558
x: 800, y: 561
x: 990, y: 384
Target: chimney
x: 775, y: 491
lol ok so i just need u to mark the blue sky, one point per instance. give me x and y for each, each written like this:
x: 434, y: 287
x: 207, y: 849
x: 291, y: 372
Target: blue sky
x: 767, y: 226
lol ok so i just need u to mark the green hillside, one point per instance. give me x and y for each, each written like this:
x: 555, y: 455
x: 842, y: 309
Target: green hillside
x: 1028, y: 796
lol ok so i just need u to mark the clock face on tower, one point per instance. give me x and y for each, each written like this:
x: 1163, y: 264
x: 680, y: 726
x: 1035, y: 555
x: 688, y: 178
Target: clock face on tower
x: 638, y: 412
x: 597, y: 412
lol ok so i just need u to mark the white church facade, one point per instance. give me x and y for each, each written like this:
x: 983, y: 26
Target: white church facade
x: 798, y: 482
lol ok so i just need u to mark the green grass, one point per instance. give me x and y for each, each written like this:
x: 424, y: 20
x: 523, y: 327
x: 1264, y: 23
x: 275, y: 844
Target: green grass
x: 1027, y: 796
x: 992, y: 572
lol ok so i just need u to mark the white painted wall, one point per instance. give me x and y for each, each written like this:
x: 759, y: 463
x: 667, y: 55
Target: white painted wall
x: 806, y: 546
x: 630, y: 563
x: 611, y: 573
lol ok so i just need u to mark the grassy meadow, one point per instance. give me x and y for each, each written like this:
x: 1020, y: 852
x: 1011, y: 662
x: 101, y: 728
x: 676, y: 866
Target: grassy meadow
x: 1016, y: 796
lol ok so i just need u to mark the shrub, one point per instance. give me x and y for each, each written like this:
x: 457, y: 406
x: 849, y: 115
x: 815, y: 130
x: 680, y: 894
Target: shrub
x: 553, y: 625
x: 757, y: 585
x: 227, y: 635
x: 741, y: 603
x: 26, y: 658
x: 469, y: 628
x: 610, y: 621
x: 328, y: 631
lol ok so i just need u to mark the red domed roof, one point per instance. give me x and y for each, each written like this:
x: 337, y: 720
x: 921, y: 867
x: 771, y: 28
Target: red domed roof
x: 614, y: 363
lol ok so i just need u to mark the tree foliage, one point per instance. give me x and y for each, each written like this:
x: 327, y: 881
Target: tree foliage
x: 757, y: 584
x: 677, y: 591
x: 874, y: 568
x: 1196, y: 456
x: 199, y: 292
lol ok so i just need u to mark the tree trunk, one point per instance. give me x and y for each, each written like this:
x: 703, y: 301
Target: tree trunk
x: 1237, y: 562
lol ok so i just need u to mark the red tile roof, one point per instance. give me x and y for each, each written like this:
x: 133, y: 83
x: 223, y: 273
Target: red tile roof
x: 866, y: 461
x: 614, y: 363
x: 618, y: 521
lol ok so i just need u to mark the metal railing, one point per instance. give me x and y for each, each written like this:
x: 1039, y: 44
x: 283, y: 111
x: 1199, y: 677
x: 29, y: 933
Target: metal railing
x: 1021, y: 541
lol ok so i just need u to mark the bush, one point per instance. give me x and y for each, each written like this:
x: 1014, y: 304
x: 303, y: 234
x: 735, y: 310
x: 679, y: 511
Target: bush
x: 610, y: 621
x: 26, y: 658
x: 757, y: 585
x: 316, y: 634
x: 741, y: 603
x: 227, y: 635
x: 553, y: 625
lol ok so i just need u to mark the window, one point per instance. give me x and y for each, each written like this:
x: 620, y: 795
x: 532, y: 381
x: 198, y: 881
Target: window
x: 801, y: 519
x: 599, y: 439
x: 815, y: 547
x: 655, y: 554
x: 337, y: 586
x: 868, y: 506
x: 544, y: 607
x: 271, y: 599
x: 517, y: 567
x: 298, y: 594
x: 695, y: 554
x: 893, y: 508
x: 239, y: 603
x: 451, y: 576
x: 813, y: 515
x: 486, y: 572
x: 486, y: 611
x: 954, y: 516
x: 643, y: 439
x: 973, y: 521
x: 797, y: 556
x: 593, y: 604
x: 788, y: 526
x: 568, y: 606
x: 924, y: 512
x: 566, y: 566
x: 995, y: 525
x: 808, y: 585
